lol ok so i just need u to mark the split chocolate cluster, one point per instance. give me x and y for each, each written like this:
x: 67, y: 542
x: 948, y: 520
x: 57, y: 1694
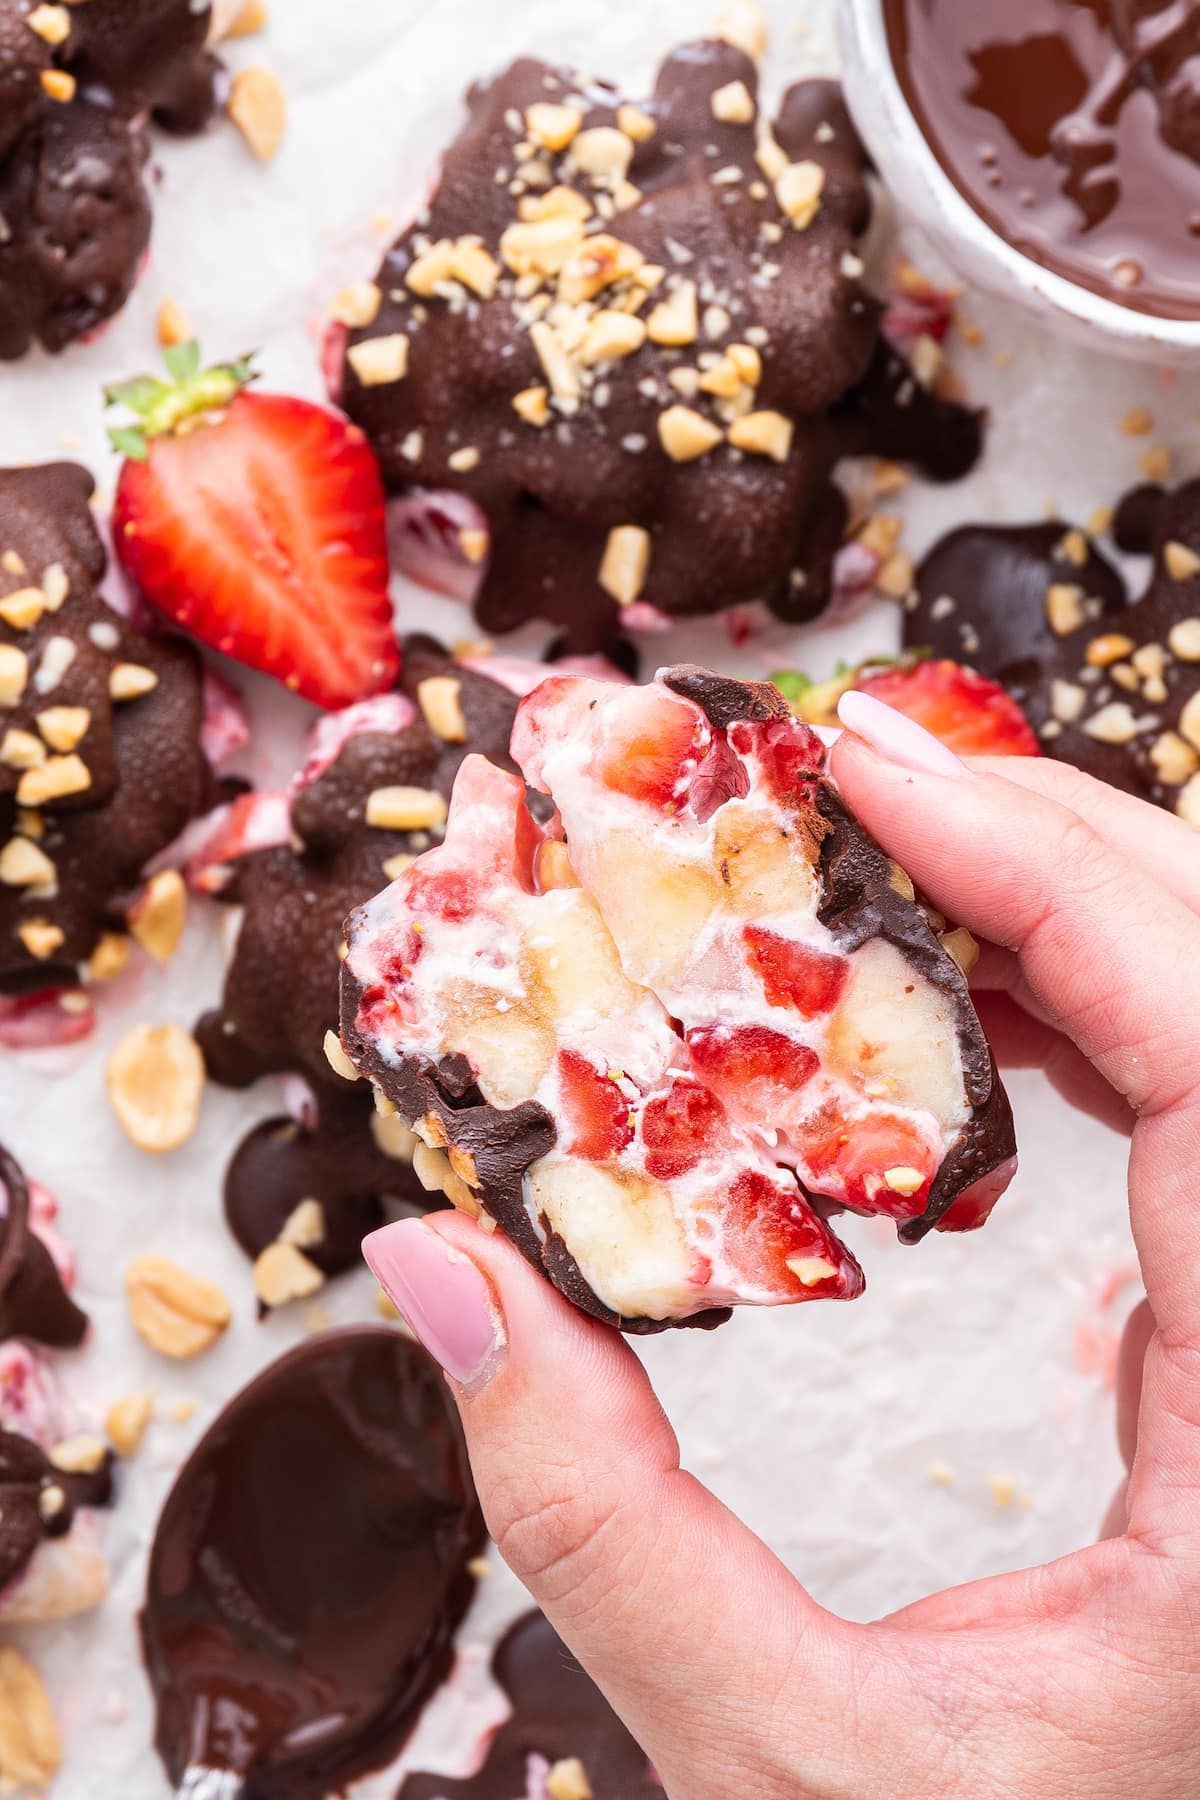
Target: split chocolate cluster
x: 75, y: 84
x: 101, y: 764
x: 371, y: 796
x: 1110, y: 683
x: 634, y: 337
x: 659, y: 1039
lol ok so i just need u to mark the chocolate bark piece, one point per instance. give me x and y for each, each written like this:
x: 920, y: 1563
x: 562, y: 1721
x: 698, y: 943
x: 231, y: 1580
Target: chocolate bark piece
x: 1109, y: 683
x: 38, y: 1500
x: 693, y: 218
x: 281, y: 988
x: 74, y: 203
x: 33, y: 1301
x: 101, y: 765
x: 310, y: 1568
x: 619, y: 1076
x: 77, y: 212
x: 558, y: 1715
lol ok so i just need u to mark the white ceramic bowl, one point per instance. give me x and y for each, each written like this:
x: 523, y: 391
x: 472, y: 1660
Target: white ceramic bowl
x: 925, y: 193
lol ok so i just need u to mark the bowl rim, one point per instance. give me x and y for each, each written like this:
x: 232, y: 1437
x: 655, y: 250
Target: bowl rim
x: 863, y: 33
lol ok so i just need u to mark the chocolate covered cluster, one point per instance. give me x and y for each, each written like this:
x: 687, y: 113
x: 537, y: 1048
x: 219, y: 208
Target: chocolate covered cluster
x: 635, y: 336
x: 1110, y: 683
x: 76, y: 82
x: 351, y: 824
x: 101, y: 764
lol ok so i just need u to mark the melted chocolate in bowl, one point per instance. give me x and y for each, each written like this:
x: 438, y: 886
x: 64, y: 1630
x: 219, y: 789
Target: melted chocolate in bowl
x: 309, y: 1569
x: 1073, y: 128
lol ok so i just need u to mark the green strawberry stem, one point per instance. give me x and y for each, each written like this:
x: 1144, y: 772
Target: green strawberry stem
x: 162, y: 406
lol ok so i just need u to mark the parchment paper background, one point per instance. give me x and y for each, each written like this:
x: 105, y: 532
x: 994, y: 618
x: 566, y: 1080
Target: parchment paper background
x: 819, y: 1424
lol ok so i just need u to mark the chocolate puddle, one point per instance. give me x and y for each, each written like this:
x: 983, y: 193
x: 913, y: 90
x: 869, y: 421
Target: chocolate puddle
x: 1072, y: 128
x: 309, y: 1570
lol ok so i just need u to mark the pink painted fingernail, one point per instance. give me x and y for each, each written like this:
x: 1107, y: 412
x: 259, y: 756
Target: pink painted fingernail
x: 900, y: 739
x: 442, y: 1296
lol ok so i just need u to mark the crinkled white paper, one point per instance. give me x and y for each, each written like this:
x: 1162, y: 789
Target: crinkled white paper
x: 825, y: 1427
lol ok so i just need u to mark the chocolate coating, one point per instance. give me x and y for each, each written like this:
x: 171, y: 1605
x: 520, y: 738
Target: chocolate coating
x: 727, y: 526
x: 859, y: 902
x: 33, y: 1301
x: 147, y: 775
x: 1073, y: 127
x: 309, y: 1569
x: 1122, y: 653
x: 26, y: 1475
x: 74, y: 205
x: 281, y: 988
x: 558, y: 1712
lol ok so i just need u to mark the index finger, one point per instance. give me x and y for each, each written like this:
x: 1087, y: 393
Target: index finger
x: 1112, y: 958
x: 1115, y: 960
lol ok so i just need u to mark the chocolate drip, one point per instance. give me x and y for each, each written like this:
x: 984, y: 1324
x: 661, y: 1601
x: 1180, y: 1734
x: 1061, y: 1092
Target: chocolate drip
x: 558, y: 1713
x: 39, y: 1501
x: 309, y: 1569
x: 33, y: 1301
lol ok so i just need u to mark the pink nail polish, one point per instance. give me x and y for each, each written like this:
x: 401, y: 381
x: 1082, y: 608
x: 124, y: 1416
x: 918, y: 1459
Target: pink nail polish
x: 442, y: 1296
x: 900, y: 739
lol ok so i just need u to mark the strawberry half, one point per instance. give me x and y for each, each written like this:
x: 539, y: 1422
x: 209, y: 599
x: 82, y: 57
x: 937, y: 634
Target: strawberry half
x: 256, y: 522
x: 965, y: 710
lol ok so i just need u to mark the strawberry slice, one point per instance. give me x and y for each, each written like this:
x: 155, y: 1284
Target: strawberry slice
x: 881, y: 1164
x: 782, y: 1241
x: 256, y: 522
x: 795, y: 975
x: 649, y: 755
x: 965, y: 710
x: 595, y: 1109
x: 678, y: 1129
x: 752, y: 1067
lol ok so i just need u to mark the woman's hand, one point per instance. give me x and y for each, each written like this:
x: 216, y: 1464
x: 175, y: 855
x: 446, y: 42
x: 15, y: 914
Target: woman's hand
x: 1079, y: 1679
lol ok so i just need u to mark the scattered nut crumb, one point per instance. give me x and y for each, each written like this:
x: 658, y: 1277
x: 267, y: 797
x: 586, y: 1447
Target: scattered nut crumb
x: 155, y: 1080
x: 357, y: 305
x: 379, y: 361
x: 158, y: 917
x: 172, y: 324
x: 175, y: 1313
x: 440, y: 700
x: 126, y: 1422
x: 79, y: 1455
x: 336, y: 1057
x: 1138, y: 422
x: 283, y: 1273
x: 29, y: 1748
x: 405, y: 809
x: 257, y: 107
x: 567, y: 1780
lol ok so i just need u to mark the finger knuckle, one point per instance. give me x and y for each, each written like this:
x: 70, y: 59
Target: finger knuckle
x: 552, y: 1528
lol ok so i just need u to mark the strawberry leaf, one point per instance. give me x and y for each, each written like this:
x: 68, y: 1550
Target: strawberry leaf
x: 130, y: 441
x: 139, y: 394
x: 791, y: 683
x: 183, y: 360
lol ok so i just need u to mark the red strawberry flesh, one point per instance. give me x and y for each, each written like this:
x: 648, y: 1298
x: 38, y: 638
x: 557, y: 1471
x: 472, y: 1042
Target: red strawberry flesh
x: 261, y: 532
